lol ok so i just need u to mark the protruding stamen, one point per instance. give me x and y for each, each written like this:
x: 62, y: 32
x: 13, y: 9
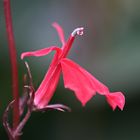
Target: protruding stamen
x: 77, y: 31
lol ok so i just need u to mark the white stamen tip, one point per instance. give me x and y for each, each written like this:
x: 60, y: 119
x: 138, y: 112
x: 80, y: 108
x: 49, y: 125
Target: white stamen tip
x: 78, y: 31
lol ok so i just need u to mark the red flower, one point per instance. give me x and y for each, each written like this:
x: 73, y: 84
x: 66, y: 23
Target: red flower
x: 84, y: 85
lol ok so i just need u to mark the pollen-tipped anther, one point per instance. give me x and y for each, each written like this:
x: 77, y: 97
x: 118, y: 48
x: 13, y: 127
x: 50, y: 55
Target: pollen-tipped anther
x: 78, y: 31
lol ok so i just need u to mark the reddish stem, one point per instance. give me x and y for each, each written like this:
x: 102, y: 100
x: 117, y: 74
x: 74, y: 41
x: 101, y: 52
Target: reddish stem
x: 13, y: 59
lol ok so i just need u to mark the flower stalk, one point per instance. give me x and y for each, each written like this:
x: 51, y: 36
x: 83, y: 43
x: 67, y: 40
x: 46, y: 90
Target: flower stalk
x: 13, y: 59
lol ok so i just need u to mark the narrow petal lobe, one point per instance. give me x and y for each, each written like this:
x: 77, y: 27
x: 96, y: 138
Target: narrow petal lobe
x: 116, y: 99
x: 60, y: 32
x: 41, y: 52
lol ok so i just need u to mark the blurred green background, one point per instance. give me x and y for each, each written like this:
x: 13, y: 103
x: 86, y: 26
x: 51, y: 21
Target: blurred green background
x: 109, y: 49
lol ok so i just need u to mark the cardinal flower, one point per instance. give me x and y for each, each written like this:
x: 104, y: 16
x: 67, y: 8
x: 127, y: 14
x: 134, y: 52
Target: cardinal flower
x: 76, y: 78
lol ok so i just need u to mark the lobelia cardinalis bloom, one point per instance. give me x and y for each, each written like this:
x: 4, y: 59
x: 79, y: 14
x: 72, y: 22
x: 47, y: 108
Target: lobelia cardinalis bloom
x: 84, y: 85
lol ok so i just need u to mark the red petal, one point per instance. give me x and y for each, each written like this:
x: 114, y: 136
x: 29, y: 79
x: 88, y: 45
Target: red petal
x: 85, y: 85
x: 80, y: 81
x: 116, y: 99
x: 60, y: 32
x: 47, y: 88
x: 41, y: 52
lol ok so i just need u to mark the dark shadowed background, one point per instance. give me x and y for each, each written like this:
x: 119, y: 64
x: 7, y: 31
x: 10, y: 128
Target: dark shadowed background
x: 109, y: 49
